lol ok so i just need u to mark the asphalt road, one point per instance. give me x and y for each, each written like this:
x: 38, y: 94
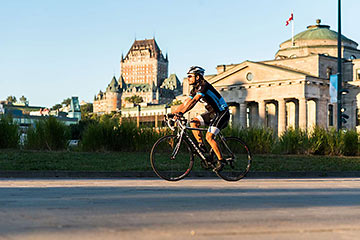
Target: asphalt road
x: 189, y: 209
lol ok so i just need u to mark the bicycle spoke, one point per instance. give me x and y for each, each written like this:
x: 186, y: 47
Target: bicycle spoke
x: 238, y: 158
x: 171, y: 158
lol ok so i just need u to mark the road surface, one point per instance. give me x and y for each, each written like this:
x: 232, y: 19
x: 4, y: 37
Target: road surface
x: 190, y: 209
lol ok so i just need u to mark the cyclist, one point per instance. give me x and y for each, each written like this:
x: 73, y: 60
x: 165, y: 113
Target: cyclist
x: 217, y: 115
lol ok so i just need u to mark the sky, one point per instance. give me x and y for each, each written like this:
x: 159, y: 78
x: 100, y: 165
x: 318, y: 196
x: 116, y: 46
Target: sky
x: 51, y: 50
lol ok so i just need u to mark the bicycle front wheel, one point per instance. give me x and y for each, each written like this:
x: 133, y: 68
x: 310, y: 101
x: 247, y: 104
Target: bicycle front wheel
x: 170, y: 159
x: 238, y: 159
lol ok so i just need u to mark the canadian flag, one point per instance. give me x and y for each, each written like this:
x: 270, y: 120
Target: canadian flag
x: 290, y: 19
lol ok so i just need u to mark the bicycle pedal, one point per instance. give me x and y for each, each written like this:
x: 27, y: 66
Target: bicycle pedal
x: 205, y: 165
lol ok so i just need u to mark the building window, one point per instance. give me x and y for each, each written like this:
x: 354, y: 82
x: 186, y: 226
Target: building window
x: 328, y: 72
x: 249, y: 76
x: 331, y: 115
x: 358, y: 74
x: 357, y: 117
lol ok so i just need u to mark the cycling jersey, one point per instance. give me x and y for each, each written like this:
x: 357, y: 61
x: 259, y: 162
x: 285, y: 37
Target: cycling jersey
x: 213, y: 100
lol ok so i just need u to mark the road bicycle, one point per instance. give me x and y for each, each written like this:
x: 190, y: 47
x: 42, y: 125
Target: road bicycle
x: 172, y: 156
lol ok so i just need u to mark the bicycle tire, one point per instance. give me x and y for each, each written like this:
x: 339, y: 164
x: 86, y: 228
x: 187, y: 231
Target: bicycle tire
x: 236, y: 168
x: 167, y: 168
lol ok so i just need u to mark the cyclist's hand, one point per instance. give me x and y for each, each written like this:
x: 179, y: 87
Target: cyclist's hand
x: 177, y: 116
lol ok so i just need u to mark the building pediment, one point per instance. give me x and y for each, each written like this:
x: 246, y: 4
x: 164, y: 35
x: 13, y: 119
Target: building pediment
x: 254, y: 72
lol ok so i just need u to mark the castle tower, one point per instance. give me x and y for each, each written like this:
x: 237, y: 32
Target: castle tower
x: 109, y: 101
x: 144, y: 64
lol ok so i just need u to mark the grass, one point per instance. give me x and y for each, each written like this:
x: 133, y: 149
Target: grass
x: 11, y: 160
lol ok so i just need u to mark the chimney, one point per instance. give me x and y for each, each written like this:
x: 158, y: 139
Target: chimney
x: 221, y: 68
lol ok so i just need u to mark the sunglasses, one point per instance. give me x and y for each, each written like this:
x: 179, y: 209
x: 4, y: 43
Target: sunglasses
x: 190, y: 76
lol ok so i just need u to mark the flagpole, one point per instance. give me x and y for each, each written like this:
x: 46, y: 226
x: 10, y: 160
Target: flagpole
x: 292, y: 28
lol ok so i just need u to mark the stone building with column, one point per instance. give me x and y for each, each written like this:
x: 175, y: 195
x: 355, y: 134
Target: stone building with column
x: 292, y: 90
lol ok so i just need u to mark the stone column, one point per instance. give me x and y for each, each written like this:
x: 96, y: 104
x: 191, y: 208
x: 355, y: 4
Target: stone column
x: 243, y: 113
x: 322, y: 113
x: 253, y: 115
x: 281, y: 116
x: 262, y: 113
x: 303, y: 113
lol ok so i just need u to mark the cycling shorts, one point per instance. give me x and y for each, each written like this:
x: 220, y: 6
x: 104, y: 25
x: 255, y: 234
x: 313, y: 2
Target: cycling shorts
x: 215, y: 121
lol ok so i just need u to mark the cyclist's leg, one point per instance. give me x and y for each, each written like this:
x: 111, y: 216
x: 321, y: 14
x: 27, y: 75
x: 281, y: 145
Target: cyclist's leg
x: 196, y: 123
x: 210, y: 138
x: 220, y: 121
x: 200, y: 120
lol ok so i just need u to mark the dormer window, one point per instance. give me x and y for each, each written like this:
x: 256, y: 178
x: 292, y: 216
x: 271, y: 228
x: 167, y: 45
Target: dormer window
x: 352, y: 57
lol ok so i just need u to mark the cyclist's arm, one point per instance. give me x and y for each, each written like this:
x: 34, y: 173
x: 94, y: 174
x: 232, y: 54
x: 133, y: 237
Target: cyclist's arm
x: 188, y: 104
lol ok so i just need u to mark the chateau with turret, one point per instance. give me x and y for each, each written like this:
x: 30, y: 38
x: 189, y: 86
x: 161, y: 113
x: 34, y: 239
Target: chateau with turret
x: 144, y: 73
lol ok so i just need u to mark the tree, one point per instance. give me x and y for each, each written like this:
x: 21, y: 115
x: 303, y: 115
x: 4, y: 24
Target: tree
x: 86, y: 108
x: 23, y: 99
x: 56, y: 107
x: 11, y: 99
x: 134, y: 99
x: 66, y: 102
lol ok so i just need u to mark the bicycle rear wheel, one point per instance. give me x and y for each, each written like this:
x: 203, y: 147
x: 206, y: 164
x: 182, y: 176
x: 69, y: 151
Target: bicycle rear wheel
x: 238, y: 159
x: 170, y: 159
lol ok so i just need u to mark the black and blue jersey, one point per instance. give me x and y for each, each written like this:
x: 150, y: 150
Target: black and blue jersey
x: 210, y: 96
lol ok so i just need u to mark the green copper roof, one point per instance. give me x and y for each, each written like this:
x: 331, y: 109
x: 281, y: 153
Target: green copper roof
x: 315, y: 32
x: 171, y: 83
x: 113, y: 86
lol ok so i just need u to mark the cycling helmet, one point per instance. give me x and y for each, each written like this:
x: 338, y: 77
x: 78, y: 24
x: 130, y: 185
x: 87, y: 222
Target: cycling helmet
x: 196, y: 70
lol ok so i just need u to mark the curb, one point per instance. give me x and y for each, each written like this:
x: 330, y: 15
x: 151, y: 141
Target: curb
x: 149, y: 174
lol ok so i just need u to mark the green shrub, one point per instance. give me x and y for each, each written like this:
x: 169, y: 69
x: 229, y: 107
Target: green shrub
x: 318, y: 140
x: 9, y: 133
x: 48, y: 134
x: 335, y: 142
x: 99, y: 136
x: 77, y: 130
x: 351, y: 143
x: 109, y: 135
x: 259, y: 140
x: 293, y: 141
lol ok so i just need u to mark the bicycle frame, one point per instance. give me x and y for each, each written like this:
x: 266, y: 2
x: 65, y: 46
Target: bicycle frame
x: 183, y: 128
